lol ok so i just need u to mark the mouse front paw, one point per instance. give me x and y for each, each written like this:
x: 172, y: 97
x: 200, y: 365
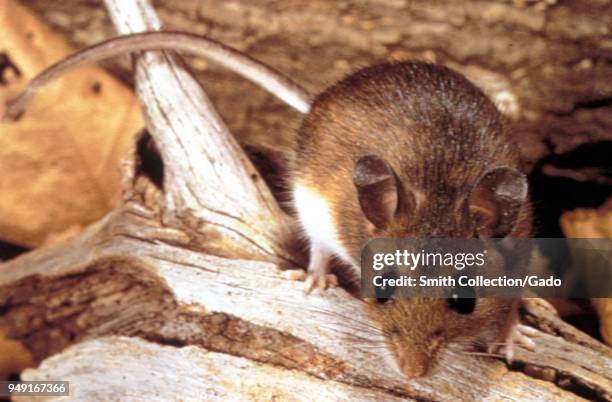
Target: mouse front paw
x: 312, y: 279
x: 514, y: 334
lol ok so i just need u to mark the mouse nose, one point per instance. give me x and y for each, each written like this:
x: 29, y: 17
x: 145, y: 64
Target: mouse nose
x: 413, y: 364
x: 415, y: 367
x: 413, y: 361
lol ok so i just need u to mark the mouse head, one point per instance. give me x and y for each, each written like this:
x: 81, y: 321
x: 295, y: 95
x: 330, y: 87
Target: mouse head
x: 418, y: 330
x: 493, y: 207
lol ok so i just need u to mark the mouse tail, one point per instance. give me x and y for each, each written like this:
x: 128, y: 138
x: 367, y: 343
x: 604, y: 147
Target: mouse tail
x: 253, y: 70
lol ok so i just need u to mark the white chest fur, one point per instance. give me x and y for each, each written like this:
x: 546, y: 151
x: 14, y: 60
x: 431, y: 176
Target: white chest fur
x: 318, y: 223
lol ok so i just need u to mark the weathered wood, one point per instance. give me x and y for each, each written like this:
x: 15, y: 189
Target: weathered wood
x: 161, y: 272
x: 210, y: 178
x: 131, y: 368
x: 129, y: 276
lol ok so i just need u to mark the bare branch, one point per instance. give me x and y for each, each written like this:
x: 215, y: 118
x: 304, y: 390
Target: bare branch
x: 206, y: 173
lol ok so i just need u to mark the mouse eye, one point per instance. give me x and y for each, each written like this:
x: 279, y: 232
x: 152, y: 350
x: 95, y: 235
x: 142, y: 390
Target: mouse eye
x: 384, y: 294
x: 462, y: 300
x: 384, y: 300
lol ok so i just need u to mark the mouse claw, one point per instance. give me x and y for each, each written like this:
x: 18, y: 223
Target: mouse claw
x: 327, y: 281
x: 518, y: 334
x: 295, y: 274
x: 312, y: 280
x: 309, y: 284
x: 321, y: 282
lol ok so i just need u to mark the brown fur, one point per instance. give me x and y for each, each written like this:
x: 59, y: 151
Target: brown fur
x: 440, y: 135
x: 437, y: 130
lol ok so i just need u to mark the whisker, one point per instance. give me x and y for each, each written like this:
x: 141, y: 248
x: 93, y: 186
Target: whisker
x: 499, y: 343
x: 466, y: 342
x: 365, y: 346
x: 366, y: 327
x: 363, y: 324
x: 353, y: 330
x: 350, y: 334
x: 485, y: 354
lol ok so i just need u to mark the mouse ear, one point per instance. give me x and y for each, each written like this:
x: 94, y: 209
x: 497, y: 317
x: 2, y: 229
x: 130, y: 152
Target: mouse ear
x: 377, y: 188
x: 496, y: 200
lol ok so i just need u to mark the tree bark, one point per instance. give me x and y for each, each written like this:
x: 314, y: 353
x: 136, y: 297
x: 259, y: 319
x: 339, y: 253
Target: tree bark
x: 180, y: 289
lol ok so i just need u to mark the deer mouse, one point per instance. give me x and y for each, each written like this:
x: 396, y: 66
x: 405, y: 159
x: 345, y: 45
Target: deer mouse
x: 410, y: 150
x: 395, y: 150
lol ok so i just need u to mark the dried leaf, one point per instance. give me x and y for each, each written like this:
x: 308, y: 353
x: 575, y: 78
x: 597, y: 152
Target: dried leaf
x: 14, y: 357
x: 60, y: 161
x: 593, y: 223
